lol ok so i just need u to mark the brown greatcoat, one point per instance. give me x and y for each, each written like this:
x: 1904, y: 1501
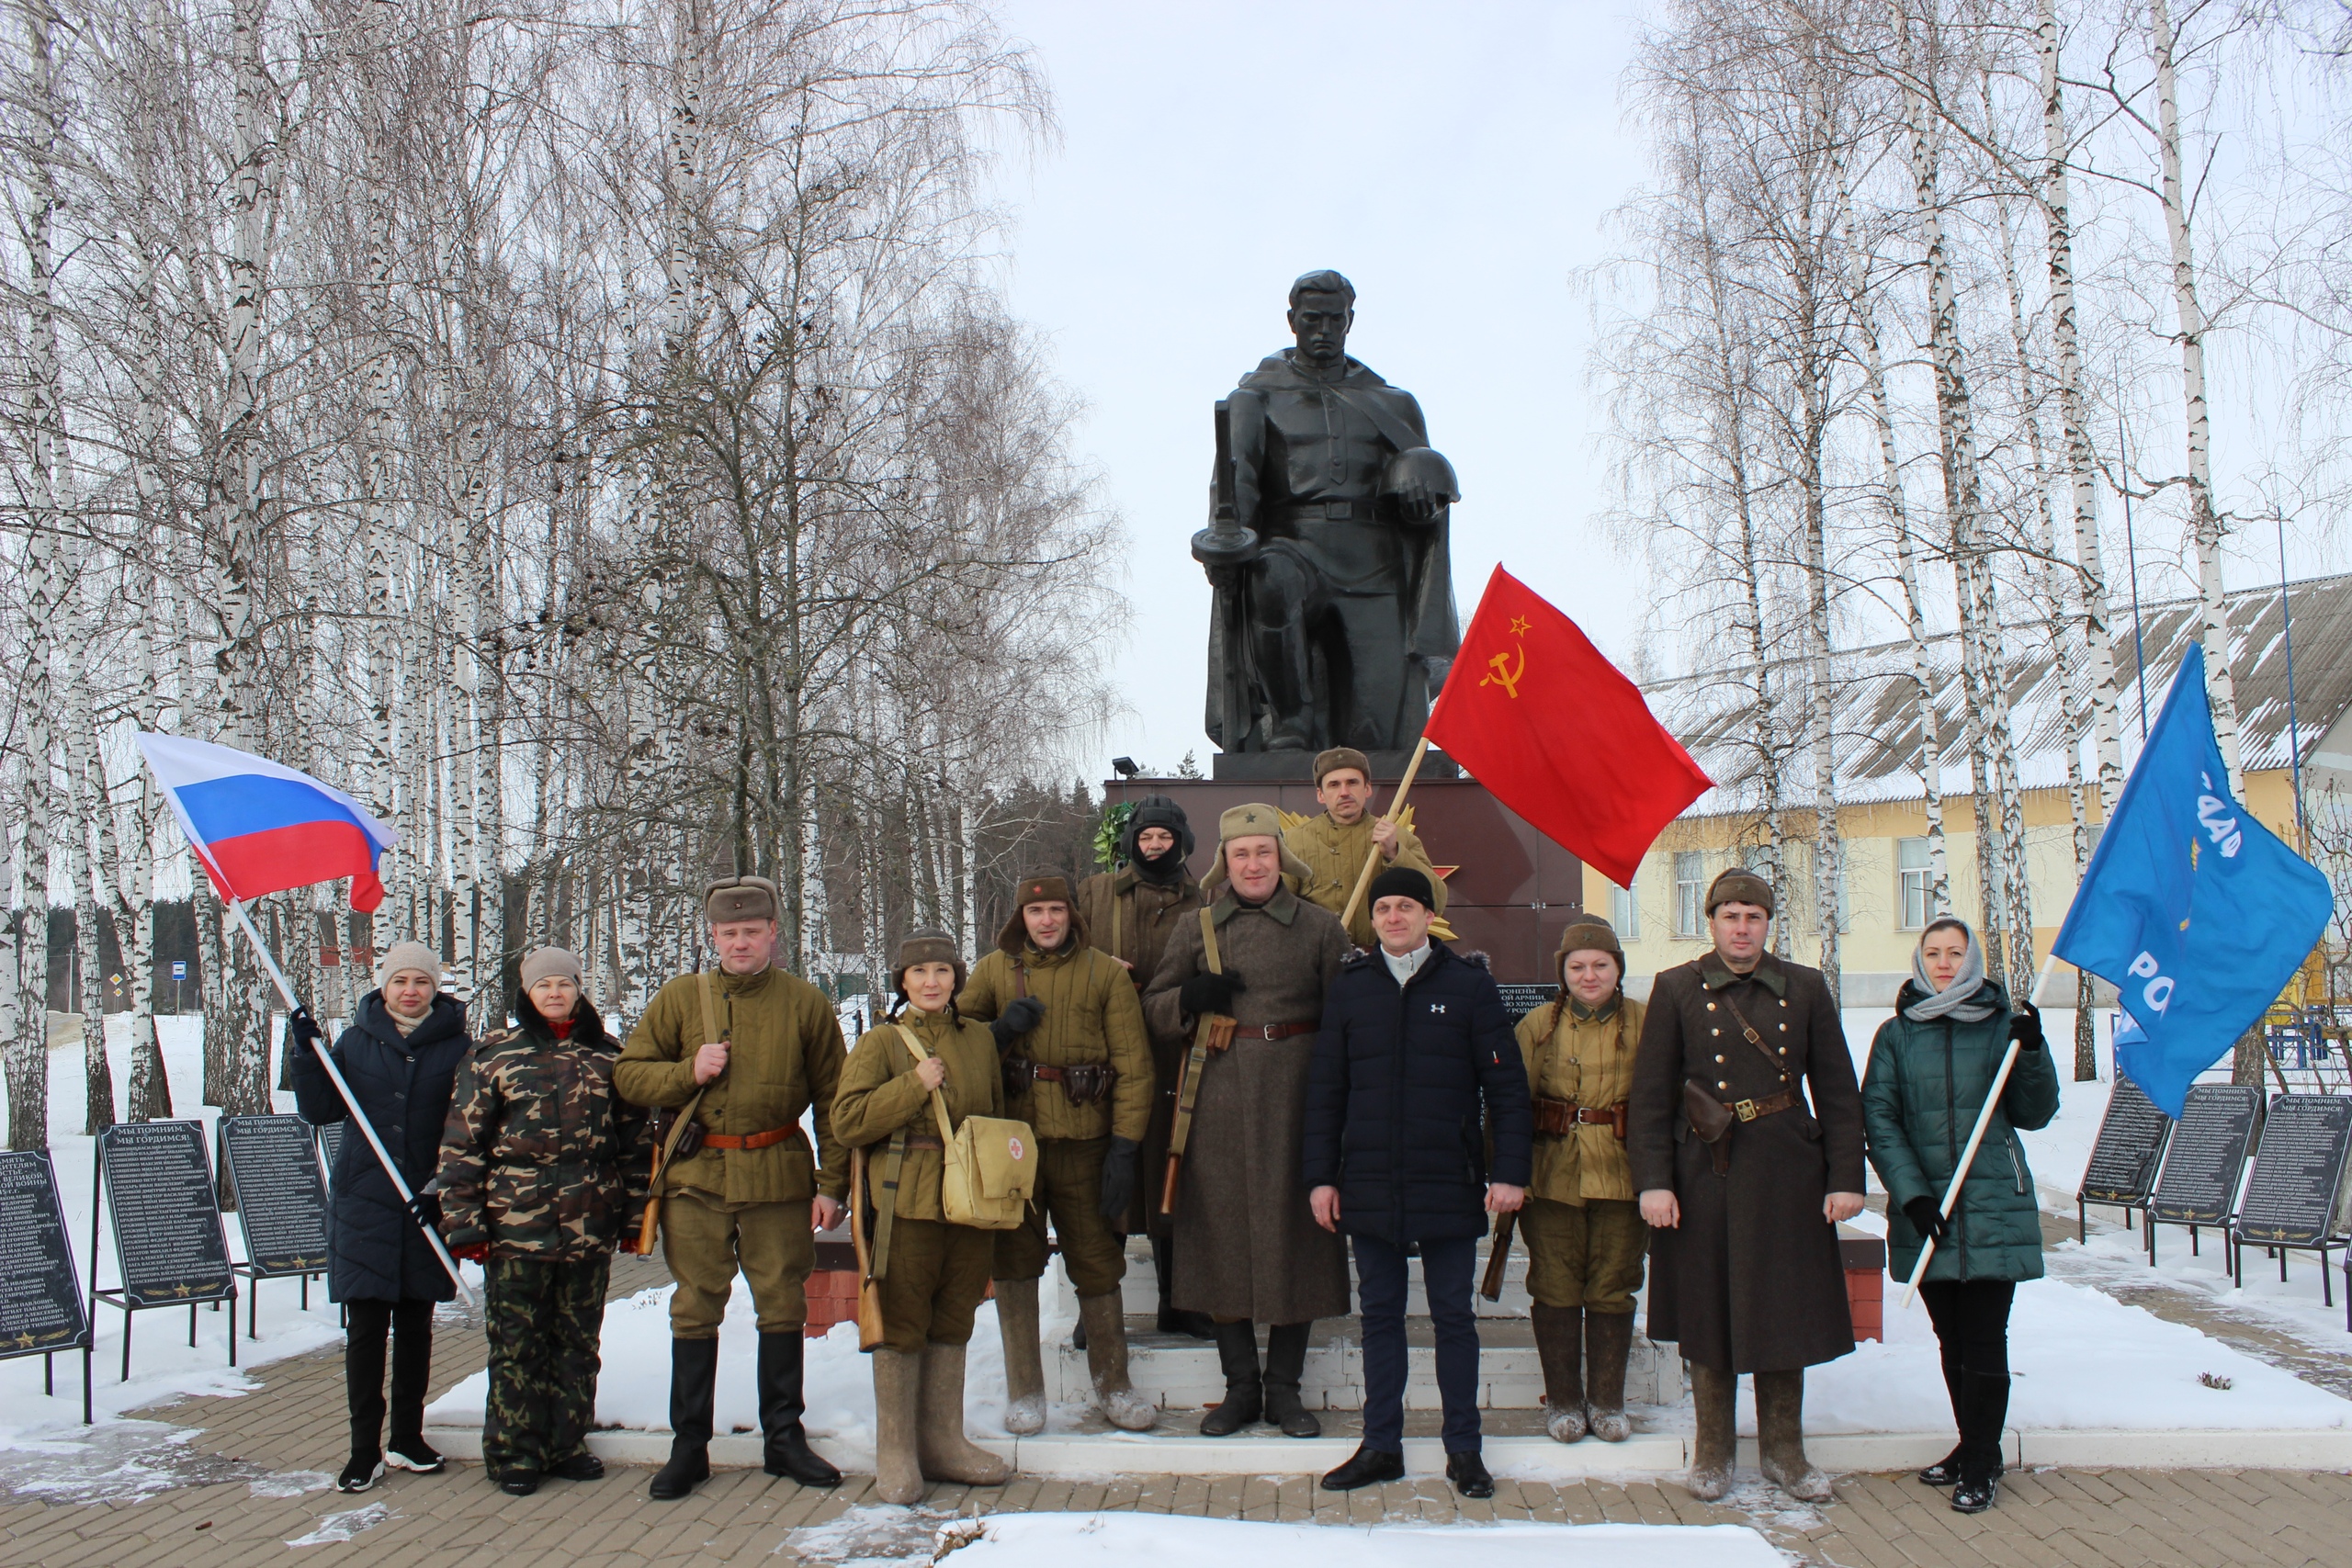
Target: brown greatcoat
x: 1751, y: 1281
x: 1247, y: 1242
x: 1132, y: 919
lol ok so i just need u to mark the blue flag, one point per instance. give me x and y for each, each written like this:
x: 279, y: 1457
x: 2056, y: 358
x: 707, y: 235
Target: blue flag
x: 2194, y: 911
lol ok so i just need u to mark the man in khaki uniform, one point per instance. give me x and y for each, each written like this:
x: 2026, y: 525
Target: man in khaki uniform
x: 1585, y: 1236
x: 1335, y: 845
x: 1070, y: 1024
x: 753, y: 1196
x: 1129, y: 914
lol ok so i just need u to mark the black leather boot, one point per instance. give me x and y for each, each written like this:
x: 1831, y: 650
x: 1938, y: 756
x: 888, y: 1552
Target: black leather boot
x: 1286, y: 1362
x: 785, y: 1450
x: 1245, y: 1399
x: 693, y: 1383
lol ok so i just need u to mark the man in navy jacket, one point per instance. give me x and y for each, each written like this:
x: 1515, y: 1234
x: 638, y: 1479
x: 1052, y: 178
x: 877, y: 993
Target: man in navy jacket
x: 1415, y: 1068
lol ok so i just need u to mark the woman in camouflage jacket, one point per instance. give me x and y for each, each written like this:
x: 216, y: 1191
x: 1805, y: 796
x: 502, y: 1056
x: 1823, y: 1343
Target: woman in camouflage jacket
x: 543, y: 1170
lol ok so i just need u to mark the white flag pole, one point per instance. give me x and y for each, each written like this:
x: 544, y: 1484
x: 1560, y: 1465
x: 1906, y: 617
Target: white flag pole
x: 1983, y: 1120
x: 351, y: 1103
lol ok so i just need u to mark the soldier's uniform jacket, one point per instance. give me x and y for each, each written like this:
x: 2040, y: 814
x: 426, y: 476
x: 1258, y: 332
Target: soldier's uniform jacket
x: 540, y: 1158
x: 1584, y: 1058
x: 1092, y: 1017
x: 1335, y: 857
x: 786, y: 1061
x: 881, y: 1094
x: 1131, y: 918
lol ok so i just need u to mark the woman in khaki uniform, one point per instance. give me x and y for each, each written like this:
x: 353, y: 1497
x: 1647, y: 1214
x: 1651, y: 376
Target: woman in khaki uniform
x: 932, y: 1276
x: 1585, y: 1235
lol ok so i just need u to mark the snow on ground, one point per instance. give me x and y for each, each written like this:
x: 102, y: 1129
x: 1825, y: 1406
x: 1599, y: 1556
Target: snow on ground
x: 1149, y: 1541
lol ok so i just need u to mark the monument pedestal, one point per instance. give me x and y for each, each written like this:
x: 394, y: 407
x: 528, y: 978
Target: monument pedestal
x: 1510, y: 890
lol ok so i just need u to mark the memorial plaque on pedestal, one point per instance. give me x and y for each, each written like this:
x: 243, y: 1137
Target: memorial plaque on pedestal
x: 330, y: 1147
x: 2198, y: 1185
x: 1519, y: 999
x: 281, y: 1202
x: 2123, y: 1168
x: 2290, y: 1198
x: 41, y: 1298
x: 167, y: 1235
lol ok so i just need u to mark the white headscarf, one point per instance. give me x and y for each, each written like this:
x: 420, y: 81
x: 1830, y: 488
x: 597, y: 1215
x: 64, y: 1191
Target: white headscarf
x: 1957, y: 1000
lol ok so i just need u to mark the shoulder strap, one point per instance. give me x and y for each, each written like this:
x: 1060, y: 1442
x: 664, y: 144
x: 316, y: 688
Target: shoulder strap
x: 1393, y: 430
x: 1209, y: 942
x: 1748, y: 1030
x: 938, y: 1100
x: 710, y: 1012
x: 1114, y: 921
x: 1020, y: 979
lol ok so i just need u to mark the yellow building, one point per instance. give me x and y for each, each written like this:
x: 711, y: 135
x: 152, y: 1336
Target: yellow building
x: 1882, y: 830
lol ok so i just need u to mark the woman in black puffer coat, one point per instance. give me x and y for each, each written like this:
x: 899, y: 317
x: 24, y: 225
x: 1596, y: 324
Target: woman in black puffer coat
x: 401, y: 1056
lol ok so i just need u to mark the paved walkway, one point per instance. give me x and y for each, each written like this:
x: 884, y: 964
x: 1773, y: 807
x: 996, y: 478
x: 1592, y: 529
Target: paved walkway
x: 244, y: 1461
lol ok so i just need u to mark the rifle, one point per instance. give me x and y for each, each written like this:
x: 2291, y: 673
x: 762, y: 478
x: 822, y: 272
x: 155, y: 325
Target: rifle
x: 1225, y: 545
x: 869, y: 1290
x: 1491, y: 1287
x: 1212, y: 1034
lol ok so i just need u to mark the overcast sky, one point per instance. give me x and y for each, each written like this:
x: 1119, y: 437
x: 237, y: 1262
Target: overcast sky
x: 1456, y: 162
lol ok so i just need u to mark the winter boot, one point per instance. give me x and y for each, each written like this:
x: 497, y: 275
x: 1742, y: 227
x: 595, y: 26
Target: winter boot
x: 1245, y: 1397
x: 1557, y: 1329
x: 785, y: 1450
x: 1984, y: 1408
x: 1780, y: 1438
x: 412, y: 1356
x: 1714, y: 1394
x: 1608, y: 1342
x: 898, y: 1471
x: 1285, y: 1364
x: 1945, y: 1471
x: 1104, y: 1320
x: 940, y: 1448
x: 1024, y: 1366
x: 693, y: 1383
x: 1172, y: 1319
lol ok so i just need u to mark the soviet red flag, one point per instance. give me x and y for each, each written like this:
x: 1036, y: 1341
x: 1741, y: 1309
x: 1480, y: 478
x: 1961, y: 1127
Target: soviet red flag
x: 1535, y: 714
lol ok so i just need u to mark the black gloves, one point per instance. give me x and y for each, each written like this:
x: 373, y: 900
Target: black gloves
x: 1119, y: 1183
x: 1207, y: 993
x: 2025, y: 1028
x: 301, y: 1029
x: 1926, y: 1217
x: 1020, y: 1016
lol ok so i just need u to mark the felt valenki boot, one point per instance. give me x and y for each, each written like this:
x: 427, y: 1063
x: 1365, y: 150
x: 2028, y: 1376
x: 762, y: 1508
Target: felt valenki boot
x: 1609, y: 1344
x: 1245, y: 1394
x: 898, y: 1471
x: 940, y: 1447
x: 1024, y: 1366
x: 1780, y: 1438
x: 1107, y: 1364
x: 1558, y: 1331
x: 1714, y: 1396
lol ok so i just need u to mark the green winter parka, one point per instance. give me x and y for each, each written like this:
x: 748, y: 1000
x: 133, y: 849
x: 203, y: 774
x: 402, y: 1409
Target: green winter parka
x: 1921, y: 1094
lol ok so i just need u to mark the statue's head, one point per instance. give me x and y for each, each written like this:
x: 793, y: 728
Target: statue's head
x: 1322, y: 309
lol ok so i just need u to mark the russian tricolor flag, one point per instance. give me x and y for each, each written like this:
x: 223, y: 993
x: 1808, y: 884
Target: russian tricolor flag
x: 259, y: 827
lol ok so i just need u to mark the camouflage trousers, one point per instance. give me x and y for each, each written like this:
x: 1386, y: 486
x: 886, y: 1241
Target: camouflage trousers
x: 543, y: 1319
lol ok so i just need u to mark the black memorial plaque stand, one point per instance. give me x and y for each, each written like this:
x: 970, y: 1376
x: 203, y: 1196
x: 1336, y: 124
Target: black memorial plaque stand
x: 2291, y: 1198
x: 2121, y: 1171
x: 330, y: 1148
x: 1520, y: 998
x: 2204, y: 1159
x: 41, y: 1311
x: 273, y: 1164
x: 169, y: 1248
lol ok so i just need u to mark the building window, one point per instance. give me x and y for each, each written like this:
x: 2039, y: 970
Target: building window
x: 1690, y: 894
x: 1913, y: 883
x: 1625, y: 913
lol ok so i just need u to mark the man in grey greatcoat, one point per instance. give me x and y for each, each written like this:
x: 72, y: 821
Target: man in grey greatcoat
x: 1247, y: 1248
x: 1745, y: 1272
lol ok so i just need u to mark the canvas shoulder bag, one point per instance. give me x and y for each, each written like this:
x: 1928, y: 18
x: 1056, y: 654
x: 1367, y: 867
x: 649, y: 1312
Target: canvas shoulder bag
x: 990, y: 1163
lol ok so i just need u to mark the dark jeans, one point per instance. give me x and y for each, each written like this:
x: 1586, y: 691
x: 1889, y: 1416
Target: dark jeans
x: 1971, y: 1319
x: 1380, y: 1282
x: 366, y: 1324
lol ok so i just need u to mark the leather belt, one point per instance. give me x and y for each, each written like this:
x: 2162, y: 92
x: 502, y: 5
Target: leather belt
x: 1749, y: 1110
x: 1273, y: 1031
x: 1560, y: 1117
x: 768, y: 1139
x: 1335, y: 511
x: 924, y: 1141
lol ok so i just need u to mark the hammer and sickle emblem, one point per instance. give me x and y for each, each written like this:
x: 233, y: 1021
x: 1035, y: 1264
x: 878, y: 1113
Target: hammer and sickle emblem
x: 1503, y: 675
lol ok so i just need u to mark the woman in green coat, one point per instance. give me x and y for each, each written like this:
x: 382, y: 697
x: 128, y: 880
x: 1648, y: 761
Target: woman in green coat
x: 1930, y: 1067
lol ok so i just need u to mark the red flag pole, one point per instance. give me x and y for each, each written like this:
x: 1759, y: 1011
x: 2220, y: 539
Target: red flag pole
x: 1394, y: 806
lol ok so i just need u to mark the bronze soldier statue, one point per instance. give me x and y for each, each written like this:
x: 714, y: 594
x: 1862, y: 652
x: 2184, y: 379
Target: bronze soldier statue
x: 1334, y: 620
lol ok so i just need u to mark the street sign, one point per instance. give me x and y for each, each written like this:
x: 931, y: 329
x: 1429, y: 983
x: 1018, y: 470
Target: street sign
x: 179, y: 971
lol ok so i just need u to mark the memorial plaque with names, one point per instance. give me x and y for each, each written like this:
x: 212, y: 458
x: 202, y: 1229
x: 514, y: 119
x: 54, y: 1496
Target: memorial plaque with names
x: 167, y: 1232
x: 2206, y: 1156
x: 41, y: 1298
x: 331, y: 1146
x: 2298, y: 1170
x: 1519, y: 1001
x: 2122, y: 1166
x: 281, y: 1202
